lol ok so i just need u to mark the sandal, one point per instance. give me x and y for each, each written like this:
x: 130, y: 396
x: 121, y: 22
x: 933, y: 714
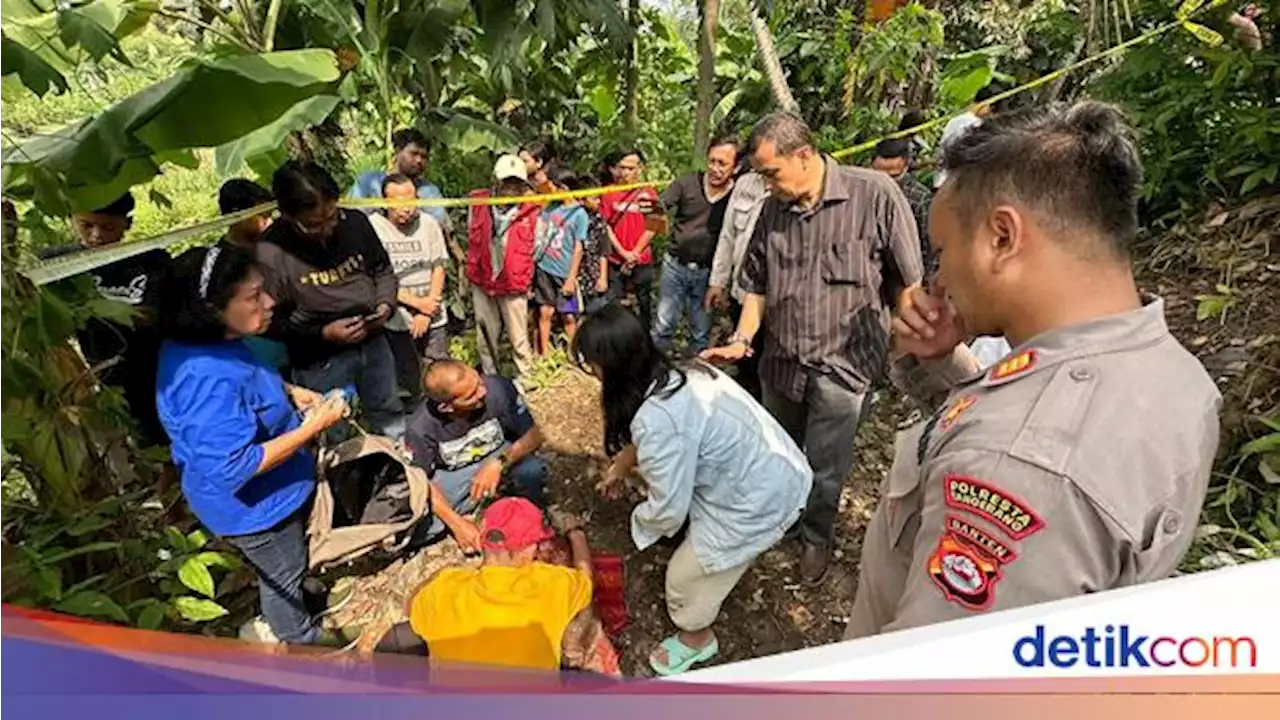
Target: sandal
x: 681, y: 657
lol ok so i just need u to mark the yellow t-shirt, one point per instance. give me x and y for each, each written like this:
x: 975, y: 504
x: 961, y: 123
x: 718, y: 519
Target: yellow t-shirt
x: 500, y: 615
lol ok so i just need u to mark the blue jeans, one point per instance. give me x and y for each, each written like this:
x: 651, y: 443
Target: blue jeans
x: 682, y: 285
x: 280, y: 557
x: 525, y: 480
x: 371, y: 367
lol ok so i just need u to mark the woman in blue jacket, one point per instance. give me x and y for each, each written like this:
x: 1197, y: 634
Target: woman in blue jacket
x: 239, y: 439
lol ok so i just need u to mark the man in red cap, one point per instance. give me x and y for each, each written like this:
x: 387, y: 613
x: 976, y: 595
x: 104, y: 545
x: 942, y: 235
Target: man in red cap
x: 505, y: 611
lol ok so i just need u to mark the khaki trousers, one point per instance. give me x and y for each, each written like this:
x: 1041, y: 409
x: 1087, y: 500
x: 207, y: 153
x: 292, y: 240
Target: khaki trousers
x: 494, y: 313
x: 694, y: 596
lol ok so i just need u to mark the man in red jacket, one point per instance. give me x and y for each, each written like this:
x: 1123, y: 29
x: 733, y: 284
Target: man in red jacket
x: 500, y: 265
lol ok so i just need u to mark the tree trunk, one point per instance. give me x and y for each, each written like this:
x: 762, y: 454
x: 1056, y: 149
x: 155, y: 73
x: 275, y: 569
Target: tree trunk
x: 631, y: 110
x: 706, y: 76
x: 770, y: 63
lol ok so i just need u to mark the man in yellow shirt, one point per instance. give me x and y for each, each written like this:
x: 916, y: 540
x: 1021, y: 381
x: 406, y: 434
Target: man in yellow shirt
x: 513, y: 610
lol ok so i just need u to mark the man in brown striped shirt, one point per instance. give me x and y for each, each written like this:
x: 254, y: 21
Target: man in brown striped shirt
x: 833, y: 248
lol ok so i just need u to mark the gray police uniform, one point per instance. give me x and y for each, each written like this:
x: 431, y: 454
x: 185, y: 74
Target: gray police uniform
x: 1079, y: 463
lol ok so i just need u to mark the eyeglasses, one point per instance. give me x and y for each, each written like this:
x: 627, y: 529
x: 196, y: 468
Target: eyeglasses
x: 325, y: 227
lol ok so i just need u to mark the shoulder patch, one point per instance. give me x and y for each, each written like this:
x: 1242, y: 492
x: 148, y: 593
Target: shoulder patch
x: 1007, y: 512
x: 966, y: 575
x: 998, y: 550
x: 1013, y: 367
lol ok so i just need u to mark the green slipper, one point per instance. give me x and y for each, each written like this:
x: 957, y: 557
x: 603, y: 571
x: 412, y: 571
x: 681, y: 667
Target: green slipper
x: 681, y: 657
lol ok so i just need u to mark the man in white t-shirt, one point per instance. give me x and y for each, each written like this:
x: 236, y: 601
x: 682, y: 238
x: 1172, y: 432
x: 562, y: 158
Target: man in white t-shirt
x: 418, y: 329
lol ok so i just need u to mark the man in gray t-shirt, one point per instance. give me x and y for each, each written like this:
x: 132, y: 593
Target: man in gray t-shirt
x: 414, y: 241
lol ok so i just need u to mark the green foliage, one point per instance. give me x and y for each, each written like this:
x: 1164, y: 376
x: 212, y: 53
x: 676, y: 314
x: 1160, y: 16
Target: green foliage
x: 1242, y: 516
x: 124, y: 575
x: 1209, y: 124
x: 208, y: 103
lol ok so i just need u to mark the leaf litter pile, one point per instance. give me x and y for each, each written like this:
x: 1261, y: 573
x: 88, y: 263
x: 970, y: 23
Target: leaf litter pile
x: 1221, y: 284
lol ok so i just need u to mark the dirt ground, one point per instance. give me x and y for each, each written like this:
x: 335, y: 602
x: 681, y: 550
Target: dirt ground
x: 770, y: 611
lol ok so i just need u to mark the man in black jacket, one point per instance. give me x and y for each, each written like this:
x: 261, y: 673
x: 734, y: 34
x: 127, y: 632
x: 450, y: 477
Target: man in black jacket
x: 334, y: 287
x: 124, y: 356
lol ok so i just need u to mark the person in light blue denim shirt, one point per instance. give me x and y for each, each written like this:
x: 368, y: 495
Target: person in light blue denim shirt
x: 411, y: 161
x: 708, y: 453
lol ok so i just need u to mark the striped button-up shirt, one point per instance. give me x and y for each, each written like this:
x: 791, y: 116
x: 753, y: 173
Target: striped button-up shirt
x: 825, y: 272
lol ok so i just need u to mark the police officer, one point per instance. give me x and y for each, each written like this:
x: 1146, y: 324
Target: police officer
x: 1078, y: 463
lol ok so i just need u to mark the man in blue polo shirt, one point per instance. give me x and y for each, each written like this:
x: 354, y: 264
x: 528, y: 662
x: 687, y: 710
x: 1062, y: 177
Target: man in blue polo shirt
x: 475, y: 438
x: 411, y: 161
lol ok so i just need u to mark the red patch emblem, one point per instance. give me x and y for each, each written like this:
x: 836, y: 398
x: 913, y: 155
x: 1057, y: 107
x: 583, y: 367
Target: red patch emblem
x: 954, y: 412
x: 1019, y: 364
x: 1005, y: 511
x: 966, y: 575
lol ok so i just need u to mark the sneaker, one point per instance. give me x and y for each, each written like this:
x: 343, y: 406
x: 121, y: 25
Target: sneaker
x: 256, y: 630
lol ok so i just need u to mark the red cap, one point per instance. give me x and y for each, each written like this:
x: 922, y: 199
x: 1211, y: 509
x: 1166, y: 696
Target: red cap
x: 513, y: 524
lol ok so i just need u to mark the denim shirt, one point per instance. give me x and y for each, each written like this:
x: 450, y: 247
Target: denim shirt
x: 712, y: 454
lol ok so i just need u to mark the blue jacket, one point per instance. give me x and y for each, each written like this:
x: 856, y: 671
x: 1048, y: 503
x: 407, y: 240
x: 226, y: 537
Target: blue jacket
x: 218, y: 406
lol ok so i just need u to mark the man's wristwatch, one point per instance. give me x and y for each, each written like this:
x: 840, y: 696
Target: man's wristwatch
x: 505, y: 461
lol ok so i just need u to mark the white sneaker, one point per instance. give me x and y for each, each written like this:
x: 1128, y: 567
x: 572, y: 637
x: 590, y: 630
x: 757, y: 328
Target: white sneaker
x: 258, y: 631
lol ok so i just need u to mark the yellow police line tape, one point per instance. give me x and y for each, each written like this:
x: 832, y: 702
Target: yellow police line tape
x: 65, y: 266
x: 75, y: 263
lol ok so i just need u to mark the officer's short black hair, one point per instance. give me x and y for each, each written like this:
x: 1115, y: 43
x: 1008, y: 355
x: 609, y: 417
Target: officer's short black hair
x: 1077, y: 166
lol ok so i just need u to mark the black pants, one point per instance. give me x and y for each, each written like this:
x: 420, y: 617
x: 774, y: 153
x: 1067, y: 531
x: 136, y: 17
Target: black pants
x: 412, y: 355
x: 638, y: 281
x: 749, y: 367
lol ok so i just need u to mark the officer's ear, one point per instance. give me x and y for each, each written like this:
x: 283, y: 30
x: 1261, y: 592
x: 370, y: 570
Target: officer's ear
x: 1007, y: 237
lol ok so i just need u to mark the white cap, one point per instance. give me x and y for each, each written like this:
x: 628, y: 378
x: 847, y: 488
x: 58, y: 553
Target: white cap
x: 510, y: 166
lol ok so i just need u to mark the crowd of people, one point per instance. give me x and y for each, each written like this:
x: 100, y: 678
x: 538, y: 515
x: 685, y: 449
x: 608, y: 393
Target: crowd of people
x: 1002, y: 300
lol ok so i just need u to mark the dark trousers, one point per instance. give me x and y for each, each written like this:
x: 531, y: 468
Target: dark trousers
x: 412, y: 355
x: 527, y: 479
x: 640, y: 282
x: 748, y: 375
x: 824, y: 424
x: 371, y: 367
x: 280, y: 557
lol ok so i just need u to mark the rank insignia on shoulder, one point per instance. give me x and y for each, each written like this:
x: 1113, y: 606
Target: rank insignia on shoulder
x: 966, y: 575
x: 1013, y: 366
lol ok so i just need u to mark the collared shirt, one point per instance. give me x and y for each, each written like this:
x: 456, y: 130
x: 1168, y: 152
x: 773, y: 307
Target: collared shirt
x: 823, y: 273
x: 1077, y: 464
x: 715, y: 456
x: 748, y: 196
